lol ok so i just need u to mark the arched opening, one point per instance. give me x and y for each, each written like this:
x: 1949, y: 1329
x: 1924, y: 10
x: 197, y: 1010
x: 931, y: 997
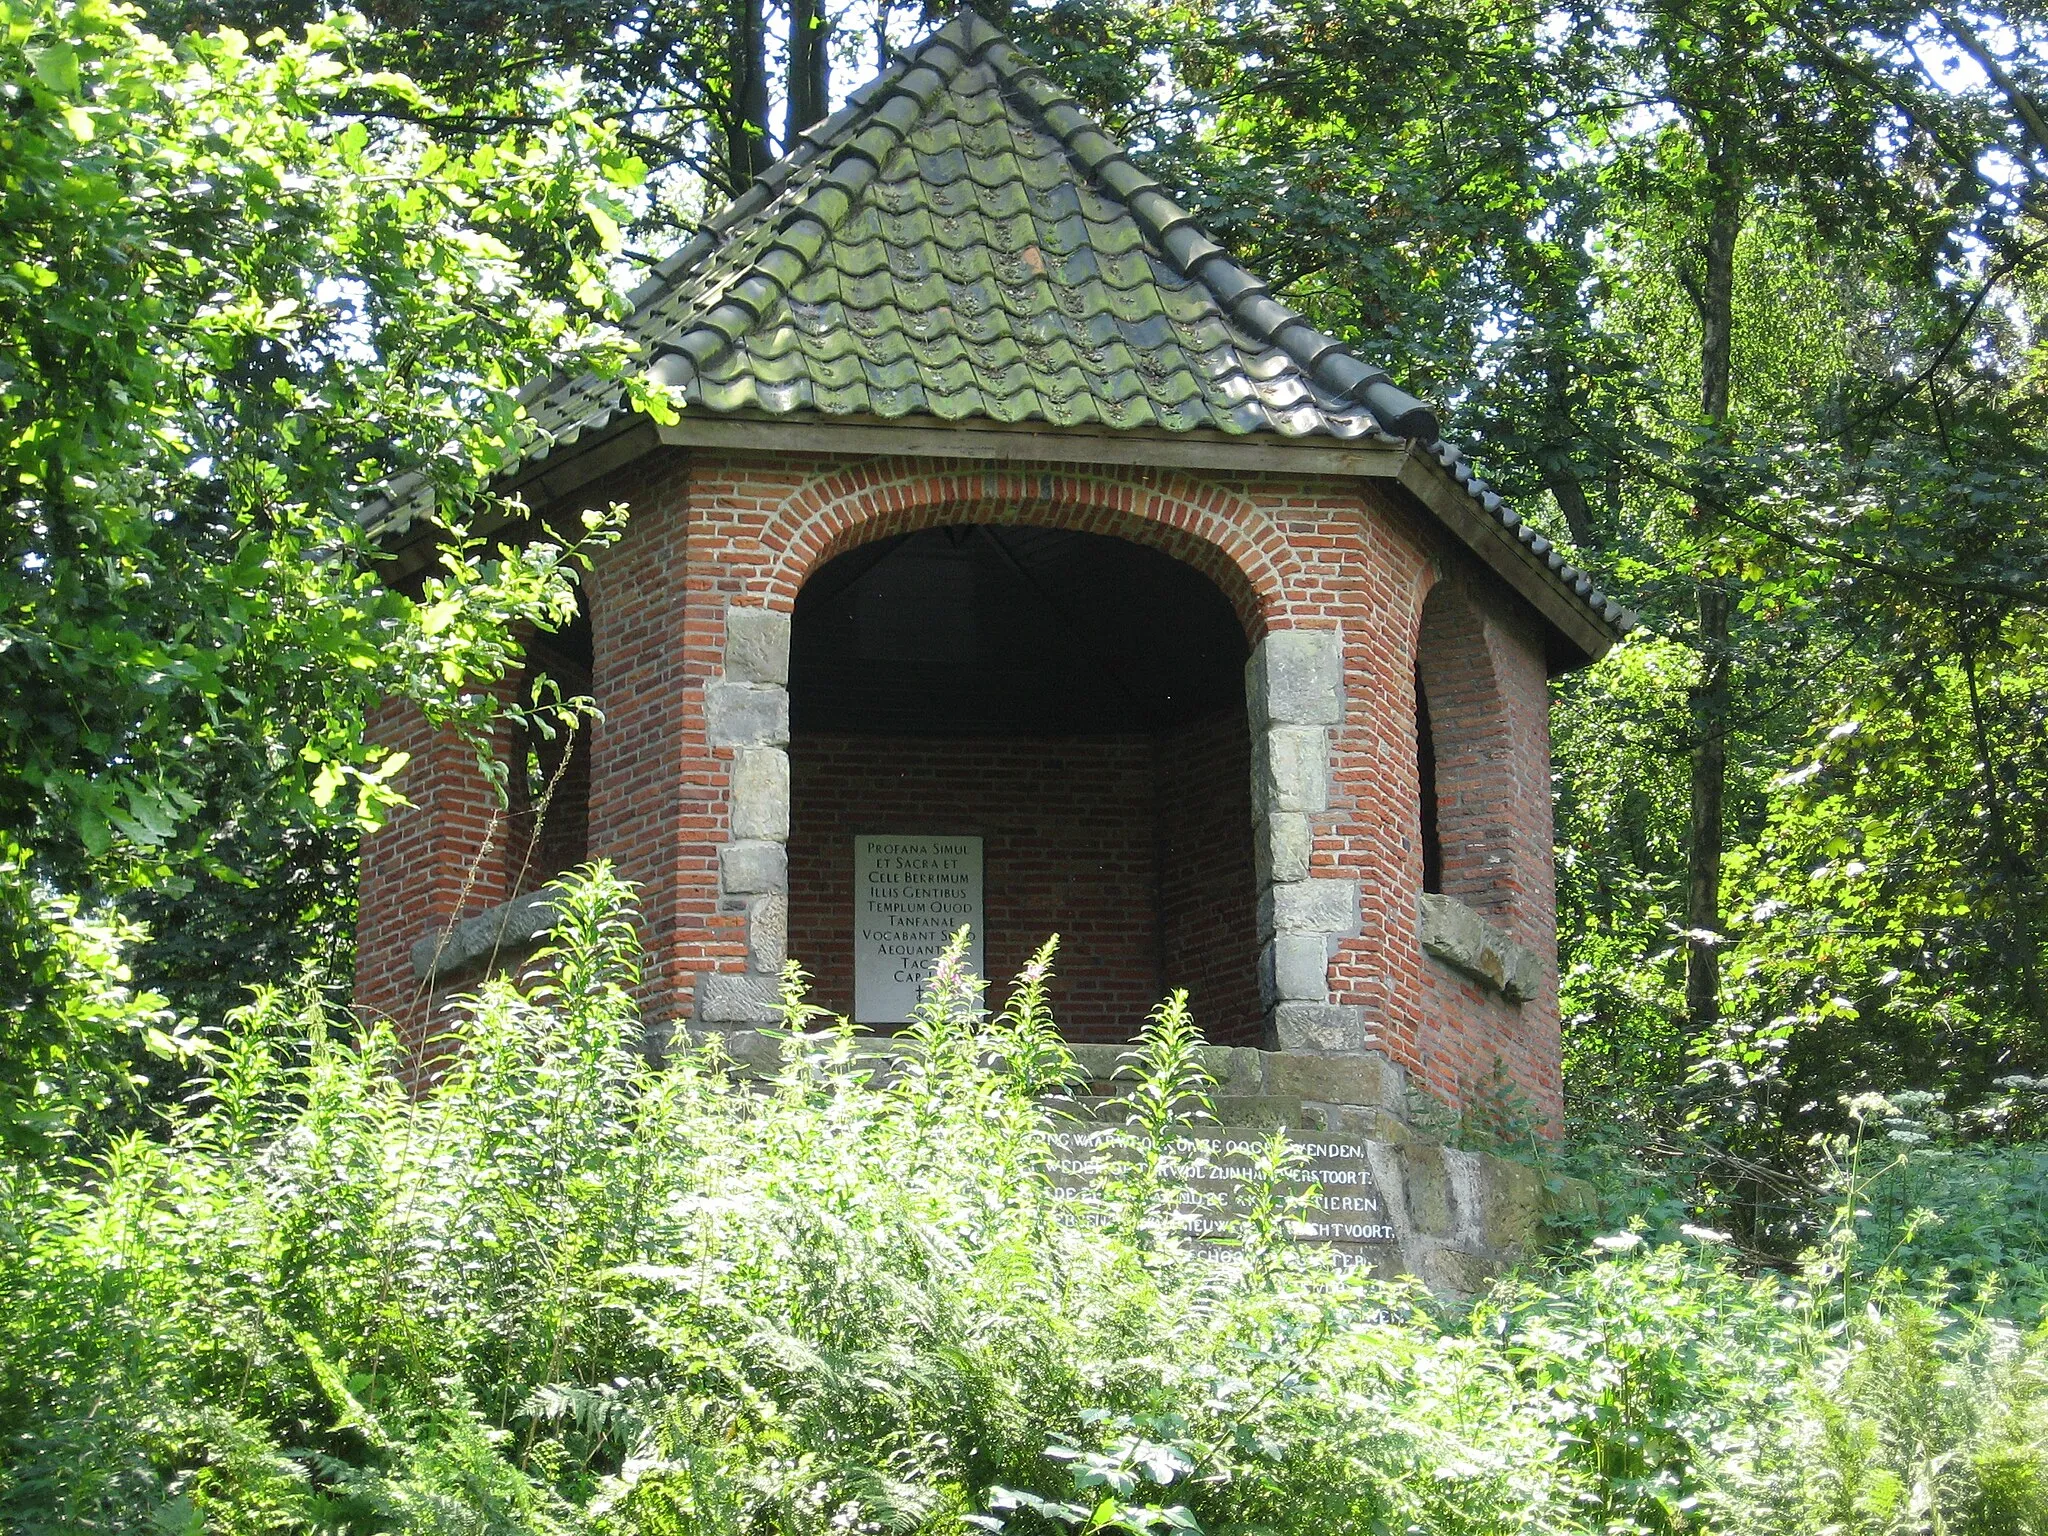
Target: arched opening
x: 1071, y: 707
x: 548, y: 791
x: 1463, y: 759
x: 1430, y: 813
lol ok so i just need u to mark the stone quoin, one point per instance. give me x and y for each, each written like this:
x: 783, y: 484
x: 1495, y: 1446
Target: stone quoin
x: 1004, y: 507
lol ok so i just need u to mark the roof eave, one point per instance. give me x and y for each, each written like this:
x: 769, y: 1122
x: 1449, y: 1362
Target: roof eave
x: 1519, y: 563
x: 1525, y: 562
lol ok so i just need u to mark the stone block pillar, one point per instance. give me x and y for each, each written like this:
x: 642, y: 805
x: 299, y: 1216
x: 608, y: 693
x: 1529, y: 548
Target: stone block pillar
x: 746, y: 709
x: 1294, y: 691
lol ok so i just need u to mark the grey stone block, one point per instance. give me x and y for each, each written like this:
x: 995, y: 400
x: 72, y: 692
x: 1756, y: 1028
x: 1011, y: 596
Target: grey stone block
x: 1296, y: 677
x: 767, y: 933
x: 746, y: 715
x: 1510, y: 1201
x: 660, y: 1036
x: 510, y: 925
x: 1310, y: 906
x: 1426, y: 1188
x: 1291, y: 770
x: 1464, y: 1177
x: 760, y: 794
x: 723, y: 998
x: 1236, y: 1068
x: 753, y: 868
x: 1098, y: 1062
x: 756, y: 645
x: 1367, y: 1079
x: 1367, y: 1120
x: 1299, y: 964
x: 1523, y: 981
x: 1570, y: 1199
x: 1318, y: 1027
x: 755, y: 1053
x: 1453, y: 1271
x: 1461, y: 938
x: 1263, y: 1112
x: 1281, y: 842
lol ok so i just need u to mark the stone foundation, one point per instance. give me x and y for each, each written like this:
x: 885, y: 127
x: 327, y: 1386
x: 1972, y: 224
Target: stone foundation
x: 1459, y: 1217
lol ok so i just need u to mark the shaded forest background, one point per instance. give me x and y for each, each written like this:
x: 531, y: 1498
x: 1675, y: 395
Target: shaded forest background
x: 1739, y: 300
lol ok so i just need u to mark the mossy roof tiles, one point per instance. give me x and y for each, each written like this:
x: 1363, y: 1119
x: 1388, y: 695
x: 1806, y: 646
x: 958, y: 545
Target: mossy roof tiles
x: 956, y: 244
x: 961, y: 241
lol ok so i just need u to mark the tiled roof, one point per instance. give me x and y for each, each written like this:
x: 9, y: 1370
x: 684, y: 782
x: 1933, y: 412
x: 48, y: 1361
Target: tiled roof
x: 961, y: 241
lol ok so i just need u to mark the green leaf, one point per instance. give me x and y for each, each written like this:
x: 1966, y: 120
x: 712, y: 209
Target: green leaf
x: 56, y: 65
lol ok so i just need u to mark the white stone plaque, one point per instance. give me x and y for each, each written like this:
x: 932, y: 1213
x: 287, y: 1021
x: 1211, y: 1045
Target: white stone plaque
x: 909, y: 895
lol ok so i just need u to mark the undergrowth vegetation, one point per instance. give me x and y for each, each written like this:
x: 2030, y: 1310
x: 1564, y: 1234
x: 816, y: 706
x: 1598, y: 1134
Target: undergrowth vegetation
x: 566, y: 1288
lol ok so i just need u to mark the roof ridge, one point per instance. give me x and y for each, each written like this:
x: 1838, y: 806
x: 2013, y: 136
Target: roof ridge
x: 852, y: 140
x: 1193, y: 254
x: 1454, y: 459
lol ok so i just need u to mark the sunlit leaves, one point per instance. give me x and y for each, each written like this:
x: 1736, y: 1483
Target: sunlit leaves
x: 227, y: 315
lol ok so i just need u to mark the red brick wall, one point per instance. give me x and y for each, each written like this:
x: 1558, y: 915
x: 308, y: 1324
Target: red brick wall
x: 548, y: 821
x: 1135, y: 850
x: 1476, y: 804
x: 1489, y: 704
x: 1366, y: 565
x: 1208, y: 892
x: 1289, y: 552
x: 657, y: 795
x: 434, y: 862
x: 1067, y: 848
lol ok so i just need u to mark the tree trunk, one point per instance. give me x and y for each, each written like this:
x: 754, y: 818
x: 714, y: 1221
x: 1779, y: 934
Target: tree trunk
x: 1554, y: 457
x: 1561, y: 479
x: 2016, y: 874
x: 810, y: 68
x: 747, y: 154
x: 1706, y: 829
x: 1706, y: 833
x: 884, y: 9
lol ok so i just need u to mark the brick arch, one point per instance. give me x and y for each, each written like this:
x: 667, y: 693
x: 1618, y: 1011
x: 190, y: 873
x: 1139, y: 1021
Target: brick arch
x: 1467, y: 723
x: 1221, y: 534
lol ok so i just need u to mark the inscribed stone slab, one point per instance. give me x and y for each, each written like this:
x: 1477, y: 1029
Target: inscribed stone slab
x: 1340, y: 1202
x: 909, y: 895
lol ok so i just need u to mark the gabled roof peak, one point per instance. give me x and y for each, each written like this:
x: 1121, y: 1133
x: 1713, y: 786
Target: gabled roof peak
x: 967, y: 82
x: 961, y: 240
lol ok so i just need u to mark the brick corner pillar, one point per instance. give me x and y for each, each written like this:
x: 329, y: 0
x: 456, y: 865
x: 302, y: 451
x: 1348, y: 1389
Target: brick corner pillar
x: 437, y: 860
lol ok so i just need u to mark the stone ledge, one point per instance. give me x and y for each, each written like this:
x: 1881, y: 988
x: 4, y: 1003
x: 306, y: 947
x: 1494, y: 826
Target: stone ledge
x: 1459, y: 1216
x: 1467, y: 942
x: 1366, y: 1086
x: 513, y: 925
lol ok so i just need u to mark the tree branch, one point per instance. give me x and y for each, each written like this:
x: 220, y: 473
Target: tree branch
x: 2024, y: 107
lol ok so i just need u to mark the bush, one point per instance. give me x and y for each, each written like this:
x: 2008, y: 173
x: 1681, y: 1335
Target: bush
x: 567, y: 1289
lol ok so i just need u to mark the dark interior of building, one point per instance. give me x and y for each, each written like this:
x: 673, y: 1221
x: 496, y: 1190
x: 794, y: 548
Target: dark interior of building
x: 979, y: 630
x: 1075, y: 700
x: 548, y: 811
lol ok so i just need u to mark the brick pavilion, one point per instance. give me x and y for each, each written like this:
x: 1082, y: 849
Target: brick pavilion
x: 1006, y: 508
